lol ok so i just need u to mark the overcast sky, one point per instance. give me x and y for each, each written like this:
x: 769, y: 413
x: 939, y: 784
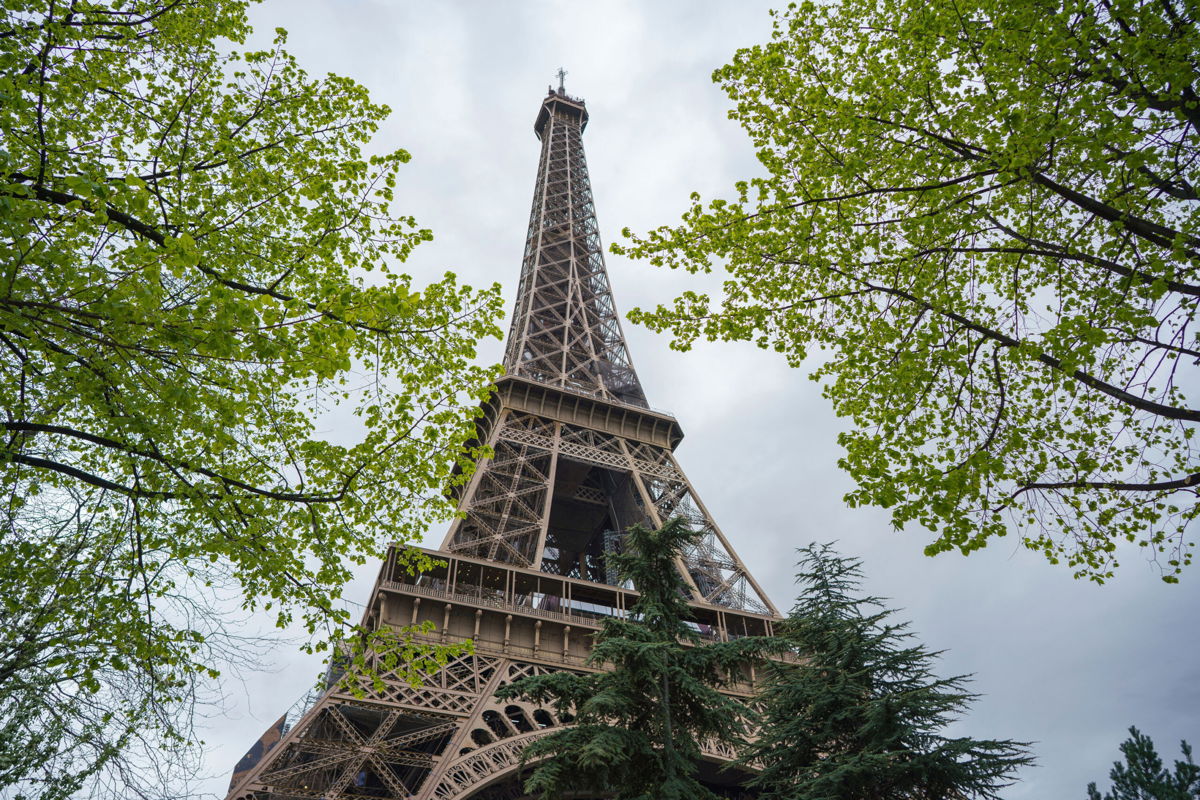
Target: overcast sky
x: 1064, y: 664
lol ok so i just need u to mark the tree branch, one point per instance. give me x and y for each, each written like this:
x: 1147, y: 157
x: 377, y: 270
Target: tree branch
x: 1091, y: 381
x: 1058, y: 251
x: 154, y: 455
x: 1190, y: 482
x: 1150, y: 231
x: 136, y: 226
x: 88, y: 478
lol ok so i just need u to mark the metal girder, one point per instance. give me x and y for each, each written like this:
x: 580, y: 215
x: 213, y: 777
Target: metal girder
x: 565, y: 330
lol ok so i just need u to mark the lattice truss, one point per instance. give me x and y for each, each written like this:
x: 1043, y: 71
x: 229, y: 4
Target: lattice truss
x: 565, y: 329
x: 518, y: 499
x: 389, y: 745
x: 506, y: 502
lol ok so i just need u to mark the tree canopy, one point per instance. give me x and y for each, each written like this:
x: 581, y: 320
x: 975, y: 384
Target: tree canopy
x: 1144, y: 777
x: 859, y: 714
x: 639, y: 726
x: 987, y: 214
x: 197, y: 271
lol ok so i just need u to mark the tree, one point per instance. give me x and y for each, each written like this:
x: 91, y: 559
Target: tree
x: 858, y: 714
x: 186, y: 232
x: 640, y: 723
x: 1143, y: 776
x: 987, y: 214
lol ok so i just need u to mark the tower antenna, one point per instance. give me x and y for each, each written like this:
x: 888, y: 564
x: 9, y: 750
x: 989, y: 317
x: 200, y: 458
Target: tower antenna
x: 562, y: 74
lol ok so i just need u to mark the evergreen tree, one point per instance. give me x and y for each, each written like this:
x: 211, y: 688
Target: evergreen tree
x: 640, y: 724
x: 1143, y: 776
x: 858, y: 714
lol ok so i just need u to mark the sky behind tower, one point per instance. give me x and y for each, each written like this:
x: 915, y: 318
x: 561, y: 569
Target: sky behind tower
x: 1065, y: 664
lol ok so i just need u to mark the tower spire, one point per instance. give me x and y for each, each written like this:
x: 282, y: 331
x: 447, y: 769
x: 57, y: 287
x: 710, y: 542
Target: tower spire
x: 565, y: 331
x: 562, y: 74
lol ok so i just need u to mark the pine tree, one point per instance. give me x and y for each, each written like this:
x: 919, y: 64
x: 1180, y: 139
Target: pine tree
x: 857, y: 715
x: 1143, y: 776
x: 639, y: 725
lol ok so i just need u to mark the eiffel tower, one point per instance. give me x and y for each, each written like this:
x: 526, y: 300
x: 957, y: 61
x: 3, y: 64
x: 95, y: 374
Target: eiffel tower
x: 578, y: 457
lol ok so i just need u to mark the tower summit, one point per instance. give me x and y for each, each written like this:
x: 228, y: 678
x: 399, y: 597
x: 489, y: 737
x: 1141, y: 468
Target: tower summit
x: 578, y: 458
x: 565, y: 331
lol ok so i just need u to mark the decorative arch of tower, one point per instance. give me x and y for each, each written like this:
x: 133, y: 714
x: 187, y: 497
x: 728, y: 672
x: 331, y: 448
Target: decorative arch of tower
x: 578, y: 458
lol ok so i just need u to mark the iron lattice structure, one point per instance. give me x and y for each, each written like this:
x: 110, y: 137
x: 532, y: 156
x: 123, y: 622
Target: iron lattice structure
x: 565, y: 330
x: 578, y: 457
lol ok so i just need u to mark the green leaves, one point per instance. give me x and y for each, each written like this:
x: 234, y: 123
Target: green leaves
x: 640, y: 724
x: 987, y: 215
x: 859, y: 713
x: 849, y: 707
x: 184, y: 231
